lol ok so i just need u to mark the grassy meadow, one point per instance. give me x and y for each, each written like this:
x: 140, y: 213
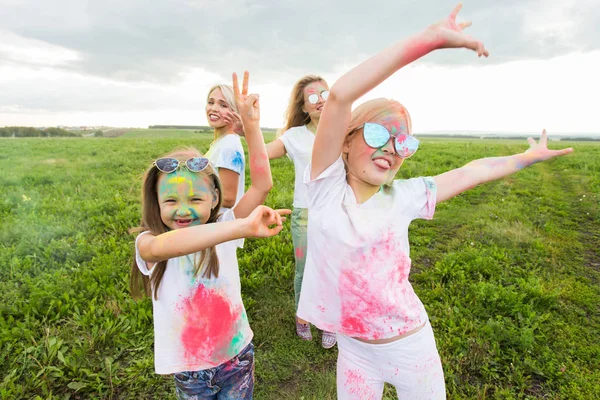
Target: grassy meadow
x: 509, y: 273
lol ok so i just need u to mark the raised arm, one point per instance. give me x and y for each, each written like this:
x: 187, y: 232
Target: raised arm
x: 366, y: 76
x: 452, y: 183
x: 260, y: 171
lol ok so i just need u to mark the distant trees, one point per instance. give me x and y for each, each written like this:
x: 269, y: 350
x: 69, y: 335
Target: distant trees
x: 199, y: 127
x: 580, y: 139
x: 25, y: 131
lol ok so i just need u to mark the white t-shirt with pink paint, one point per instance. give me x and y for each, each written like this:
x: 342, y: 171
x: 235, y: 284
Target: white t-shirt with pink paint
x: 199, y: 323
x: 357, y: 265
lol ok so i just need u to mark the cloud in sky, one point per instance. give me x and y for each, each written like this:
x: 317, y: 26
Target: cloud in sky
x: 150, y: 57
x: 159, y: 41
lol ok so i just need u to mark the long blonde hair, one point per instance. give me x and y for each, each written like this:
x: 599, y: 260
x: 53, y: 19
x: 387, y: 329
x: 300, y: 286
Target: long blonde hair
x: 227, y: 92
x: 294, y: 116
x: 152, y: 222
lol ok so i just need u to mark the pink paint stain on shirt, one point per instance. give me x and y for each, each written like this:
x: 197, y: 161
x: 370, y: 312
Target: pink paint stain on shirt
x: 375, y: 292
x: 209, y: 324
x: 300, y: 252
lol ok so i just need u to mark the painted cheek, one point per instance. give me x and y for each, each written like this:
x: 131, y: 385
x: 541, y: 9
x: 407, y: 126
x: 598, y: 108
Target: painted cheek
x: 197, y: 216
x: 366, y: 154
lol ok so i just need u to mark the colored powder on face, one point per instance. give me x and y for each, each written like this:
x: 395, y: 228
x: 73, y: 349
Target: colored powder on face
x: 394, y: 122
x: 177, y: 180
x: 181, y: 179
x: 209, y: 324
x: 314, y: 88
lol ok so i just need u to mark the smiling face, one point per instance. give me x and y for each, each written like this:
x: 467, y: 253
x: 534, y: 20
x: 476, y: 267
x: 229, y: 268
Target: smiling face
x: 314, y: 110
x: 375, y: 167
x: 185, y: 198
x: 216, y: 107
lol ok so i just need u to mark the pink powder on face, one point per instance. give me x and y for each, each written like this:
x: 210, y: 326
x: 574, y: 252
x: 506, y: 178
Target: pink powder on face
x: 209, y: 324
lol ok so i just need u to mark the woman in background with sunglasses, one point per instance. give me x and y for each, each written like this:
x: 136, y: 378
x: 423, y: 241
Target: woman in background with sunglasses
x: 186, y: 260
x: 356, y: 280
x: 226, y: 153
x: 296, y: 139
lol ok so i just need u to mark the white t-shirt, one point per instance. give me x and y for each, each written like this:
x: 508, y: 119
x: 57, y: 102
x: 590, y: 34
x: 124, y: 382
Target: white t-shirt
x: 227, y: 152
x: 298, y: 142
x: 357, y: 265
x: 199, y: 323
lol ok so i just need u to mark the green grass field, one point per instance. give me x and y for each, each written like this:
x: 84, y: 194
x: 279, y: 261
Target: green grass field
x: 509, y: 273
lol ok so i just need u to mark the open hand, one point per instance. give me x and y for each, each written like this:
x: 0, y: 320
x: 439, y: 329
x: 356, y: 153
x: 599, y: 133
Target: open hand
x: 265, y: 222
x: 234, y: 120
x: 248, y: 105
x: 448, y: 34
x: 540, y: 152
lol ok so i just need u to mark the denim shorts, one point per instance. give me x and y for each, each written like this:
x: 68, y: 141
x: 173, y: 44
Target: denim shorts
x: 233, y: 379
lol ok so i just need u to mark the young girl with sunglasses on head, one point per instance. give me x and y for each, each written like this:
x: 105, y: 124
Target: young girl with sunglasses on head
x: 302, y: 116
x: 356, y: 279
x: 186, y: 260
x: 226, y: 152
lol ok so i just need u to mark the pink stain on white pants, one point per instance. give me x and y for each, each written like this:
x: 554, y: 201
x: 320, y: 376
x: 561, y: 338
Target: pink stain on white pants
x: 411, y: 364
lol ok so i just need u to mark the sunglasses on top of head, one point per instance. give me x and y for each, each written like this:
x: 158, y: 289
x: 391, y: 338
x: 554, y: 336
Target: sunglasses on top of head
x: 314, y: 98
x: 169, y: 164
x: 376, y: 136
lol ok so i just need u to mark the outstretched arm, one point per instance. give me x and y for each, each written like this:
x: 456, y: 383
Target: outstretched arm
x: 262, y: 222
x: 276, y: 149
x: 452, y: 183
x: 366, y: 76
x: 260, y: 171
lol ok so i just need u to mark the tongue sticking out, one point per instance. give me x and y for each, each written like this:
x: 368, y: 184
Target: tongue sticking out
x: 381, y: 163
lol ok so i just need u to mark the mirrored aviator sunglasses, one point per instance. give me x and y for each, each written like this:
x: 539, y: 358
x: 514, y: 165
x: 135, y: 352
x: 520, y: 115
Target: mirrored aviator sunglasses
x: 314, y: 98
x: 376, y: 136
x: 168, y: 164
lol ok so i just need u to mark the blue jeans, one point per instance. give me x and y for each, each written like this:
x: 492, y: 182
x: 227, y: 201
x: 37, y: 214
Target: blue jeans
x: 232, y: 380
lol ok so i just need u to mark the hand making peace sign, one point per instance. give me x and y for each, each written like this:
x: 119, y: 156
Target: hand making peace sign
x: 248, y: 105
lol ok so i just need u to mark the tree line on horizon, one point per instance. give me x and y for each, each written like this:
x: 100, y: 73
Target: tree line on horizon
x: 25, y: 131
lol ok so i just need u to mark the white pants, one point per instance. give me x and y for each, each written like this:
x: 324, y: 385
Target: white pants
x: 411, y: 364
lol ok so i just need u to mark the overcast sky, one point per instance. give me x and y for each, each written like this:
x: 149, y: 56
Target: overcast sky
x: 139, y: 62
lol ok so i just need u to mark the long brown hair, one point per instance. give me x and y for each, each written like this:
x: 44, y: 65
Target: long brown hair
x: 152, y: 222
x: 294, y: 116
